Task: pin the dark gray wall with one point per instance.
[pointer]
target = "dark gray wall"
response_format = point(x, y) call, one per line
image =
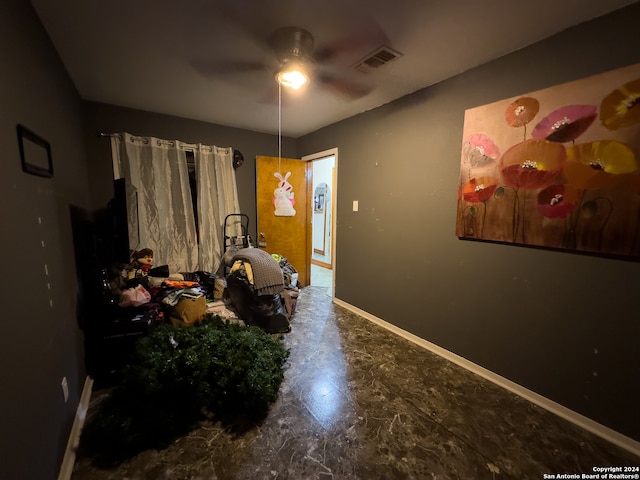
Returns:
point(40, 341)
point(397, 258)
point(563, 325)
point(111, 119)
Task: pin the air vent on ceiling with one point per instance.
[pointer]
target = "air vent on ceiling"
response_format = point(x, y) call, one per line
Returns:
point(376, 59)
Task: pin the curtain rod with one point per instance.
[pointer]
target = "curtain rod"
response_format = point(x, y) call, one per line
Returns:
point(186, 146)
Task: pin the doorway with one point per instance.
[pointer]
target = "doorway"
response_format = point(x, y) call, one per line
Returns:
point(323, 196)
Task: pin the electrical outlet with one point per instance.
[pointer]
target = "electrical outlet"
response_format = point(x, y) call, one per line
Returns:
point(65, 389)
point(355, 205)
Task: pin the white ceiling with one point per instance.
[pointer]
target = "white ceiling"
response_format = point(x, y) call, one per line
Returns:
point(175, 56)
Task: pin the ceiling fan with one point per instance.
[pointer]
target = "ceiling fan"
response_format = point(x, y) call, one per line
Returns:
point(296, 62)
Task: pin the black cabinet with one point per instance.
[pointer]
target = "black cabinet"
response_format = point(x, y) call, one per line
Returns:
point(110, 339)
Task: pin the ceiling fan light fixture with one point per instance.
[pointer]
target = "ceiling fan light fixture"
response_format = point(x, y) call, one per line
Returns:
point(293, 75)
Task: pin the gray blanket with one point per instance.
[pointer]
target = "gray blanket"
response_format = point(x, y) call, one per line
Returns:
point(268, 278)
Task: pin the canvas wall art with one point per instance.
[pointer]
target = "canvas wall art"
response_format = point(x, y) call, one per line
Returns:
point(556, 168)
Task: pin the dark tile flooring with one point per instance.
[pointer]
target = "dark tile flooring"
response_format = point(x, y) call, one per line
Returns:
point(359, 402)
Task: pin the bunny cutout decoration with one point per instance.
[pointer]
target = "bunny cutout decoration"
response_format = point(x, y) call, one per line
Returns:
point(283, 196)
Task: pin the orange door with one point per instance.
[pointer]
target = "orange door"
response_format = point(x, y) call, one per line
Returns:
point(284, 225)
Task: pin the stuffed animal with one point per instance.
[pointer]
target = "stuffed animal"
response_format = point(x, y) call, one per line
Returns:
point(141, 262)
point(142, 268)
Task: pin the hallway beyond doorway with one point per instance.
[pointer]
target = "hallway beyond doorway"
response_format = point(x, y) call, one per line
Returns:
point(321, 276)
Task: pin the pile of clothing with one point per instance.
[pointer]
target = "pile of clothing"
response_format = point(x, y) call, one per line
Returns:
point(181, 302)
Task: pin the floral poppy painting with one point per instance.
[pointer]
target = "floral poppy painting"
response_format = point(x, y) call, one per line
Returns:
point(557, 168)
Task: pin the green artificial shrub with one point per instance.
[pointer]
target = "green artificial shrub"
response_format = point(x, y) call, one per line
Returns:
point(178, 376)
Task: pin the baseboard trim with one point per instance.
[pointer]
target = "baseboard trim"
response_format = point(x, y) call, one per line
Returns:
point(596, 428)
point(321, 263)
point(69, 459)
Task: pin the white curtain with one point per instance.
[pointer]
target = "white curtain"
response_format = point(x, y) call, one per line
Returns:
point(217, 198)
point(161, 214)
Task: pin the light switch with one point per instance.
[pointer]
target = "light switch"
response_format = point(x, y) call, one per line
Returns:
point(355, 205)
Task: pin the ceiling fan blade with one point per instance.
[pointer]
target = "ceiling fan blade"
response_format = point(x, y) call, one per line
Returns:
point(325, 19)
point(360, 40)
point(256, 18)
point(209, 67)
point(346, 88)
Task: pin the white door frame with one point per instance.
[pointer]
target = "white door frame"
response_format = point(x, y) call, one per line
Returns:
point(334, 199)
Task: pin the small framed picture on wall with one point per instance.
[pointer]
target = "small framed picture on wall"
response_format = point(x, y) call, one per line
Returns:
point(35, 153)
